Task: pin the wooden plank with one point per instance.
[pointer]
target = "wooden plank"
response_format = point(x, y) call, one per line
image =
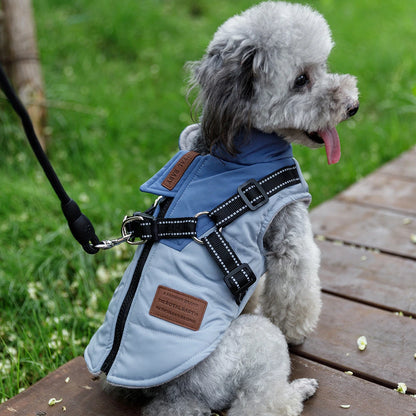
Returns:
point(389, 357)
point(384, 190)
point(374, 278)
point(336, 389)
point(403, 166)
point(81, 396)
point(380, 229)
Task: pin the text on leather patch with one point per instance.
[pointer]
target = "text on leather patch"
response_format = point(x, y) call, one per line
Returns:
point(178, 308)
point(176, 173)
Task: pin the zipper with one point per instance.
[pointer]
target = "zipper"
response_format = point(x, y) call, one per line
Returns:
point(131, 293)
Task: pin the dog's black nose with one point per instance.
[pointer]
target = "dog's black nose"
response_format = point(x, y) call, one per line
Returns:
point(352, 110)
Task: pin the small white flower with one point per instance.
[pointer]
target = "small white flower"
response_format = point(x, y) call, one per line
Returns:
point(362, 343)
point(401, 388)
point(103, 275)
point(65, 334)
point(32, 291)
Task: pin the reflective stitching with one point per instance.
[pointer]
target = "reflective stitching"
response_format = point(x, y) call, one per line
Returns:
point(186, 221)
point(225, 204)
point(232, 215)
point(181, 233)
point(232, 255)
point(282, 184)
point(261, 182)
point(267, 178)
point(217, 256)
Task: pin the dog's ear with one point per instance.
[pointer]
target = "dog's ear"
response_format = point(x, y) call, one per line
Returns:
point(226, 79)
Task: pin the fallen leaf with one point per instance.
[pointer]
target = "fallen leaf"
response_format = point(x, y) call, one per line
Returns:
point(53, 401)
point(401, 388)
point(362, 343)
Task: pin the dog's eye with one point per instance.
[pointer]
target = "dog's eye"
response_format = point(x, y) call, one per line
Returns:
point(301, 80)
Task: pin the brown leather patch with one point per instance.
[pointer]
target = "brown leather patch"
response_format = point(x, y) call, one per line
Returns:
point(178, 308)
point(176, 173)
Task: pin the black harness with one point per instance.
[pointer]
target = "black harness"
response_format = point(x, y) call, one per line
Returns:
point(250, 196)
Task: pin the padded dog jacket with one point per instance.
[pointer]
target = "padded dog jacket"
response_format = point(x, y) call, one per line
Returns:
point(172, 305)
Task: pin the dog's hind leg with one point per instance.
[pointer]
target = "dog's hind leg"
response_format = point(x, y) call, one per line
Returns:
point(248, 372)
point(261, 379)
point(291, 296)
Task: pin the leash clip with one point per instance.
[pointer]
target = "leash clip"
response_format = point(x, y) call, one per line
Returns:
point(138, 217)
point(127, 233)
point(107, 244)
point(127, 236)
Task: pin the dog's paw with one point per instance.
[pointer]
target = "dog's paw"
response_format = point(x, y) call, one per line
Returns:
point(299, 340)
point(306, 387)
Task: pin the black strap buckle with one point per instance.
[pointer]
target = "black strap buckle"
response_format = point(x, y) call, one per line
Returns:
point(239, 280)
point(249, 197)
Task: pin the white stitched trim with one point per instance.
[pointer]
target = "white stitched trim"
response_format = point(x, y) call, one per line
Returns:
point(283, 184)
point(246, 275)
point(184, 233)
point(227, 248)
point(225, 204)
point(267, 178)
point(264, 180)
point(217, 256)
point(191, 220)
point(232, 215)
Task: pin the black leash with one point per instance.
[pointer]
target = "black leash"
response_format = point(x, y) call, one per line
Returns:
point(80, 226)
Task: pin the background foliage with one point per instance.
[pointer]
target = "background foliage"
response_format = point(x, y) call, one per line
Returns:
point(116, 101)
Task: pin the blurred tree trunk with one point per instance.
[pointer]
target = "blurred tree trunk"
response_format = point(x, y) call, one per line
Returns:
point(19, 56)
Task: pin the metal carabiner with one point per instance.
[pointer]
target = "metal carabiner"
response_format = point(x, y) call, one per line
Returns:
point(128, 236)
point(107, 244)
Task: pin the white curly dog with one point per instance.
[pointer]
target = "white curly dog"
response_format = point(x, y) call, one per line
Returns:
point(266, 69)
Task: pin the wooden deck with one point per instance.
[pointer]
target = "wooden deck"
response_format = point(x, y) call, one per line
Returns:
point(368, 277)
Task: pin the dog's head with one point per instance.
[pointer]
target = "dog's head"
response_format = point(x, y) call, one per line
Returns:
point(266, 69)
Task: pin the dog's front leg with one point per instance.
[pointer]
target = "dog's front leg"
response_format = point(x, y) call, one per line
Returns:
point(291, 296)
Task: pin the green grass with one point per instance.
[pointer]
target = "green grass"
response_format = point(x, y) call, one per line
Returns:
point(115, 88)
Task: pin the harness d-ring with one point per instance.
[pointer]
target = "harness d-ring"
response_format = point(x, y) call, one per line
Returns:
point(199, 241)
point(196, 239)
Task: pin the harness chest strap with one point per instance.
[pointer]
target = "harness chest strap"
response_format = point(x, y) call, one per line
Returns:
point(249, 197)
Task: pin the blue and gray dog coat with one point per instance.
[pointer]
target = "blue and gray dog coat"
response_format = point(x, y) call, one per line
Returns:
point(202, 257)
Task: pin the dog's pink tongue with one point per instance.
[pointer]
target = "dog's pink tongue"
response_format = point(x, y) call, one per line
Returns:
point(332, 145)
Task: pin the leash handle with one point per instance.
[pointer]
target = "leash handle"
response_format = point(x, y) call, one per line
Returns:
point(80, 226)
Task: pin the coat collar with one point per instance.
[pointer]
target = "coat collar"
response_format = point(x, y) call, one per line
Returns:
point(256, 147)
